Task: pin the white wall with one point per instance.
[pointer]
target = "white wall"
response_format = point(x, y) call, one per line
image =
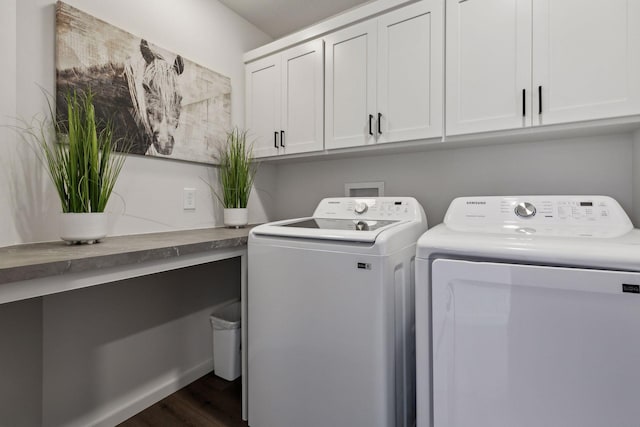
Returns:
point(599, 165)
point(149, 193)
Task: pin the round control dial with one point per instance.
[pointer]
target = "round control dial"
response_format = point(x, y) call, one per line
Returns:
point(525, 210)
point(361, 208)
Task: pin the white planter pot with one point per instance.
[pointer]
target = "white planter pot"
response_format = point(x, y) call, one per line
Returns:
point(83, 227)
point(236, 217)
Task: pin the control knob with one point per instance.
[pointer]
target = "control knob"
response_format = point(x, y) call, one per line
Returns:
point(361, 207)
point(525, 210)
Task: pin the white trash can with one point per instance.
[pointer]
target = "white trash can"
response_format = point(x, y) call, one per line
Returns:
point(225, 321)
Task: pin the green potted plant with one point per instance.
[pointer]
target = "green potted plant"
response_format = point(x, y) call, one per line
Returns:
point(79, 156)
point(237, 169)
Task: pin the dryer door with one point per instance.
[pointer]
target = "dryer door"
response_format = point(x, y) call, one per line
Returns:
point(530, 346)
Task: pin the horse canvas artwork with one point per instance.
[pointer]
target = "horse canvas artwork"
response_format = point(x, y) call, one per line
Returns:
point(163, 104)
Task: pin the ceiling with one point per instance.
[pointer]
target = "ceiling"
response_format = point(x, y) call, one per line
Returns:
point(278, 18)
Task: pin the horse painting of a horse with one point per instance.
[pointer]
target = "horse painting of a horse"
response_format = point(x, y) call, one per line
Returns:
point(162, 104)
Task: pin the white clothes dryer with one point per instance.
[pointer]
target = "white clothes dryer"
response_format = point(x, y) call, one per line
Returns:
point(528, 314)
point(331, 316)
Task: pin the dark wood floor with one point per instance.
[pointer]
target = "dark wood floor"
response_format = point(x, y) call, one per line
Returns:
point(209, 401)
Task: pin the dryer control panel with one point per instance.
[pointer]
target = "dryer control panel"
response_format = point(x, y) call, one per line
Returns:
point(589, 216)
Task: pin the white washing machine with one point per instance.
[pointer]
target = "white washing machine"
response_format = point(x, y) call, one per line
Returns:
point(331, 316)
point(528, 314)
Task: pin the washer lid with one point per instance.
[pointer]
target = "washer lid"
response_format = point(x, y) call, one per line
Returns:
point(340, 224)
point(350, 219)
point(352, 230)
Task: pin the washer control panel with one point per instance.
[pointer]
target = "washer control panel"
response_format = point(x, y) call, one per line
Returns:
point(589, 216)
point(370, 208)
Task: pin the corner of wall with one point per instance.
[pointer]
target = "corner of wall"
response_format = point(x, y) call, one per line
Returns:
point(8, 49)
point(635, 184)
point(262, 201)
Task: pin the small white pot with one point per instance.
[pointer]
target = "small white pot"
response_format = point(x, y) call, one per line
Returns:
point(236, 217)
point(83, 227)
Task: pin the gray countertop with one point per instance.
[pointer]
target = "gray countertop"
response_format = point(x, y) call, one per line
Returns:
point(38, 260)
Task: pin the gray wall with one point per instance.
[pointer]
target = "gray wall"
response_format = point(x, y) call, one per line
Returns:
point(21, 363)
point(106, 347)
point(636, 179)
point(593, 165)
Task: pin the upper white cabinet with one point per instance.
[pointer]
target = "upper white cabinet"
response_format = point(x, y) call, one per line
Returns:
point(284, 101)
point(488, 63)
point(586, 59)
point(509, 64)
point(350, 86)
point(518, 63)
point(384, 78)
point(410, 72)
point(263, 104)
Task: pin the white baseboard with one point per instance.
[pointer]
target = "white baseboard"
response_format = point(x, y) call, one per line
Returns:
point(147, 396)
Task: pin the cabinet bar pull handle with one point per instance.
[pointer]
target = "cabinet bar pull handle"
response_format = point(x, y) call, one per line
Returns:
point(379, 123)
point(524, 102)
point(539, 99)
point(275, 139)
point(282, 138)
point(370, 118)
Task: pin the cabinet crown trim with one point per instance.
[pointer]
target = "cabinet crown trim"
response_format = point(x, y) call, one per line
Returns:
point(349, 17)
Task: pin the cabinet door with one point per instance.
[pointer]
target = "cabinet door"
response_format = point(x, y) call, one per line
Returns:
point(488, 65)
point(263, 105)
point(302, 98)
point(586, 59)
point(350, 86)
point(410, 49)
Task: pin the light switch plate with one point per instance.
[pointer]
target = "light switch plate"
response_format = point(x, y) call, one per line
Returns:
point(189, 199)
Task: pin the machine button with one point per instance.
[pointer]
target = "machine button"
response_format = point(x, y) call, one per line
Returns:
point(525, 210)
point(360, 208)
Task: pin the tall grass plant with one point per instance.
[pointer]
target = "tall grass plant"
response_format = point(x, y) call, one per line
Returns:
point(237, 169)
point(78, 153)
